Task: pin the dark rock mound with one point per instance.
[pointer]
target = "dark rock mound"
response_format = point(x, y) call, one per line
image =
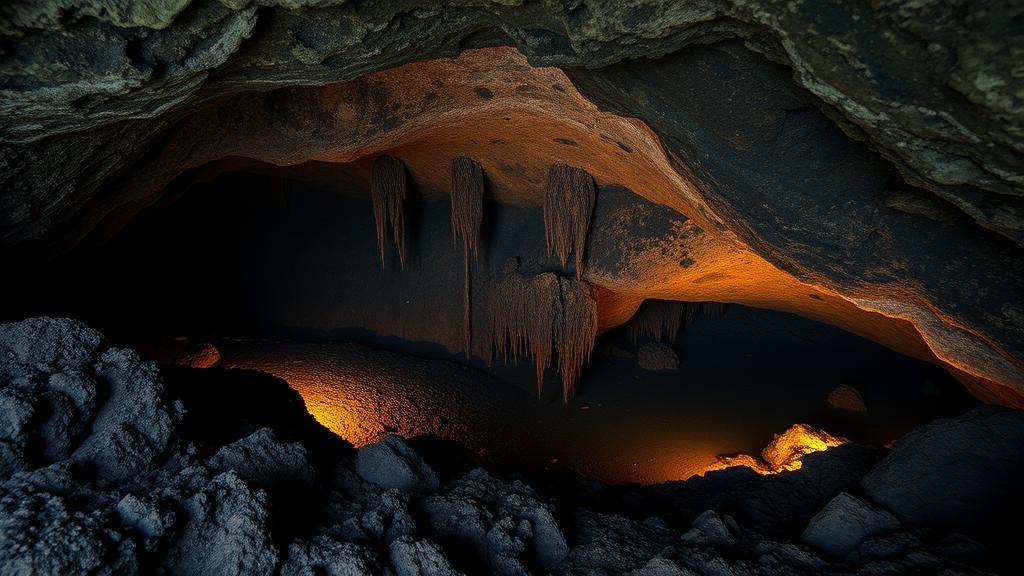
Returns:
point(216, 471)
point(962, 473)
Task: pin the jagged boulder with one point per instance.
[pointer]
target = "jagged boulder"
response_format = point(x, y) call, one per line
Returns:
point(507, 526)
point(845, 523)
point(260, 460)
point(41, 533)
point(226, 532)
point(133, 427)
point(411, 557)
point(323, 555)
point(956, 473)
point(391, 463)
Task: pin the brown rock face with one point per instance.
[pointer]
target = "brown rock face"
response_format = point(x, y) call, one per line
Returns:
point(846, 397)
point(755, 196)
point(204, 355)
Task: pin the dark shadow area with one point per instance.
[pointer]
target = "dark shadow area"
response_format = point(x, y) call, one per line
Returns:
point(256, 257)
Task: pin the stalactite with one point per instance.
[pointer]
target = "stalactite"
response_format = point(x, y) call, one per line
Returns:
point(467, 215)
point(542, 315)
point(387, 190)
point(663, 319)
point(467, 202)
point(568, 206)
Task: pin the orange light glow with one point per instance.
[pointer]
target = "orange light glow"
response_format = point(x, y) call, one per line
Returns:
point(784, 453)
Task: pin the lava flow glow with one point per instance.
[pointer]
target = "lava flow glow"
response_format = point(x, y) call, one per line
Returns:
point(361, 394)
point(784, 453)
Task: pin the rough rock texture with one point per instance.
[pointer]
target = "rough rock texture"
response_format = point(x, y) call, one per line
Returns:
point(932, 85)
point(226, 532)
point(846, 397)
point(391, 464)
point(845, 523)
point(783, 209)
point(212, 504)
point(656, 356)
point(973, 463)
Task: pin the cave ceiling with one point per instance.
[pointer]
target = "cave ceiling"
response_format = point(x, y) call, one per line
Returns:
point(857, 162)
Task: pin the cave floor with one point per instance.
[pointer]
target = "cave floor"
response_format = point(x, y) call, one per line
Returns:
point(733, 389)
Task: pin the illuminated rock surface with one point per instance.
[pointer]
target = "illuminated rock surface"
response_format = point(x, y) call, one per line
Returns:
point(853, 162)
point(205, 506)
point(808, 173)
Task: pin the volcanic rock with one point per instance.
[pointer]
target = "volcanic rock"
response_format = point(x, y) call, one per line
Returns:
point(955, 473)
point(194, 502)
point(262, 461)
point(846, 397)
point(846, 522)
point(225, 532)
point(391, 464)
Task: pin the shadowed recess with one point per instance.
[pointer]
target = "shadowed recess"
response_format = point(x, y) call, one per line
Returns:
point(663, 319)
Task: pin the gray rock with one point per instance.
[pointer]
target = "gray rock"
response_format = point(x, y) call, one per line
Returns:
point(17, 406)
point(40, 534)
point(46, 345)
point(323, 555)
point(507, 525)
point(226, 533)
point(262, 461)
point(410, 557)
point(957, 473)
point(391, 463)
point(710, 529)
point(845, 523)
point(657, 356)
point(788, 554)
point(661, 567)
point(149, 518)
point(132, 428)
point(607, 543)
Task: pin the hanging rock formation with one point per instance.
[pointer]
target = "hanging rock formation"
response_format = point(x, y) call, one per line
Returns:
point(467, 214)
point(539, 316)
point(864, 170)
point(387, 190)
point(568, 205)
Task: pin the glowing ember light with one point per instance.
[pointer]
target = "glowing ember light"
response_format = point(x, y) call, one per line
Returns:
point(784, 453)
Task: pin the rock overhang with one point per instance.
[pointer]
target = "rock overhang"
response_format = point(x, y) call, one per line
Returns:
point(841, 255)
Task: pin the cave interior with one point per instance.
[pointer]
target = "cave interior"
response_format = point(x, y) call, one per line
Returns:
point(496, 312)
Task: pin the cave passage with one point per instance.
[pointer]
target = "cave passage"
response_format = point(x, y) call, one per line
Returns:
point(284, 275)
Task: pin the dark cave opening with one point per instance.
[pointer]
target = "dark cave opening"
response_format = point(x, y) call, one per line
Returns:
point(280, 273)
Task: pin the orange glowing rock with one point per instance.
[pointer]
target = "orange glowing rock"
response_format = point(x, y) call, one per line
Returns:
point(784, 453)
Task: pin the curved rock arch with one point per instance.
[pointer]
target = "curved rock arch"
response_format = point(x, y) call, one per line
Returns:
point(515, 119)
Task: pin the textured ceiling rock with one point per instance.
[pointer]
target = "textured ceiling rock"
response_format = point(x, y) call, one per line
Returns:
point(104, 105)
point(935, 86)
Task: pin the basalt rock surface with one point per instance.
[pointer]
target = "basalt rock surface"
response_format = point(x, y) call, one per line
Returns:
point(263, 489)
point(934, 86)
